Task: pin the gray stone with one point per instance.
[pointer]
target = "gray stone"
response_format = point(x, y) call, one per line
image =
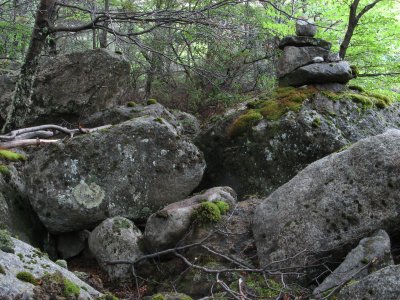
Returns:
point(62, 263)
point(132, 169)
point(370, 255)
point(31, 260)
point(16, 213)
point(330, 204)
point(382, 284)
point(116, 239)
point(305, 28)
point(165, 228)
point(270, 153)
point(296, 57)
point(304, 41)
point(69, 87)
point(339, 72)
point(71, 244)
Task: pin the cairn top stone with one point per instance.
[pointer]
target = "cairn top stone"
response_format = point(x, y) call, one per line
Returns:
point(305, 28)
point(304, 41)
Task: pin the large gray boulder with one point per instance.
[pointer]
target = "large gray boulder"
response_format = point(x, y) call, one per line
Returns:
point(132, 169)
point(72, 86)
point(371, 254)
point(334, 72)
point(271, 152)
point(165, 228)
point(28, 259)
point(382, 284)
point(296, 57)
point(331, 204)
point(116, 239)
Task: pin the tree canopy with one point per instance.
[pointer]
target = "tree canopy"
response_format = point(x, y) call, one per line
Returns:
point(200, 54)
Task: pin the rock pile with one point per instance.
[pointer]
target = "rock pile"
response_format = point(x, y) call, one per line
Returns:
point(307, 60)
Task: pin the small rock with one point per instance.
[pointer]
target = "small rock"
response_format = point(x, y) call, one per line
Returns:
point(318, 59)
point(62, 263)
point(116, 239)
point(374, 249)
point(305, 28)
point(303, 41)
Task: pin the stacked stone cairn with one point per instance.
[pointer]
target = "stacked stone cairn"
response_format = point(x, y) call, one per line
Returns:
point(307, 60)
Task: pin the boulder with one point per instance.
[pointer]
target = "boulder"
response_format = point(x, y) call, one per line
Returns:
point(165, 228)
point(231, 236)
point(296, 57)
point(72, 243)
point(339, 72)
point(116, 239)
point(72, 86)
point(382, 284)
point(305, 28)
point(185, 123)
point(16, 213)
point(303, 41)
point(132, 169)
point(271, 152)
point(371, 254)
point(330, 204)
point(35, 266)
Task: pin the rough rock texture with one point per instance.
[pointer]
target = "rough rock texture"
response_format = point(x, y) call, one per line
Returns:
point(7, 84)
point(339, 72)
point(371, 254)
point(78, 84)
point(116, 239)
point(31, 260)
point(233, 236)
point(305, 28)
point(296, 57)
point(304, 41)
point(165, 228)
point(382, 284)
point(272, 152)
point(185, 123)
point(16, 213)
point(71, 244)
point(132, 169)
point(332, 203)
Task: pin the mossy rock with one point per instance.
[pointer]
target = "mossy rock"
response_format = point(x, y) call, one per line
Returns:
point(170, 296)
point(131, 104)
point(107, 296)
point(56, 285)
point(271, 108)
point(6, 243)
point(222, 206)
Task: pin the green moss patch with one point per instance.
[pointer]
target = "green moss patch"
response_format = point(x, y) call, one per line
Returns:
point(107, 296)
point(4, 169)
point(207, 212)
point(2, 271)
point(54, 286)
point(360, 96)
point(11, 156)
point(6, 243)
point(27, 277)
point(120, 223)
point(222, 206)
point(151, 101)
point(70, 288)
point(271, 108)
point(131, 104)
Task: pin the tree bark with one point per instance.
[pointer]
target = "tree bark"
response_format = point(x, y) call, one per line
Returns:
point(103, 34)
point(21, 100)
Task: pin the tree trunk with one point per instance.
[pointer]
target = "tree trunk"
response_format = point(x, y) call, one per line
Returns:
point(103, 34)
point(21, 100)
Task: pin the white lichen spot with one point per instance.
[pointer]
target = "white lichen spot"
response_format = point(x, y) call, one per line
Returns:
point(74, 166)
point(164, 152)
point(145, 140)
point(89, 196)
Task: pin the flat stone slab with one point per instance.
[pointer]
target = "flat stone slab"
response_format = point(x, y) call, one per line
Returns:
point(339, 72)
point(304, 41)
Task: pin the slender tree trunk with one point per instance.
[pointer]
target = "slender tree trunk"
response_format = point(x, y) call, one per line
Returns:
point(21, 100)
point(103, 34)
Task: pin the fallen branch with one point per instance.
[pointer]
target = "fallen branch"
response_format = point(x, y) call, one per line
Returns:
point(38, 135)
